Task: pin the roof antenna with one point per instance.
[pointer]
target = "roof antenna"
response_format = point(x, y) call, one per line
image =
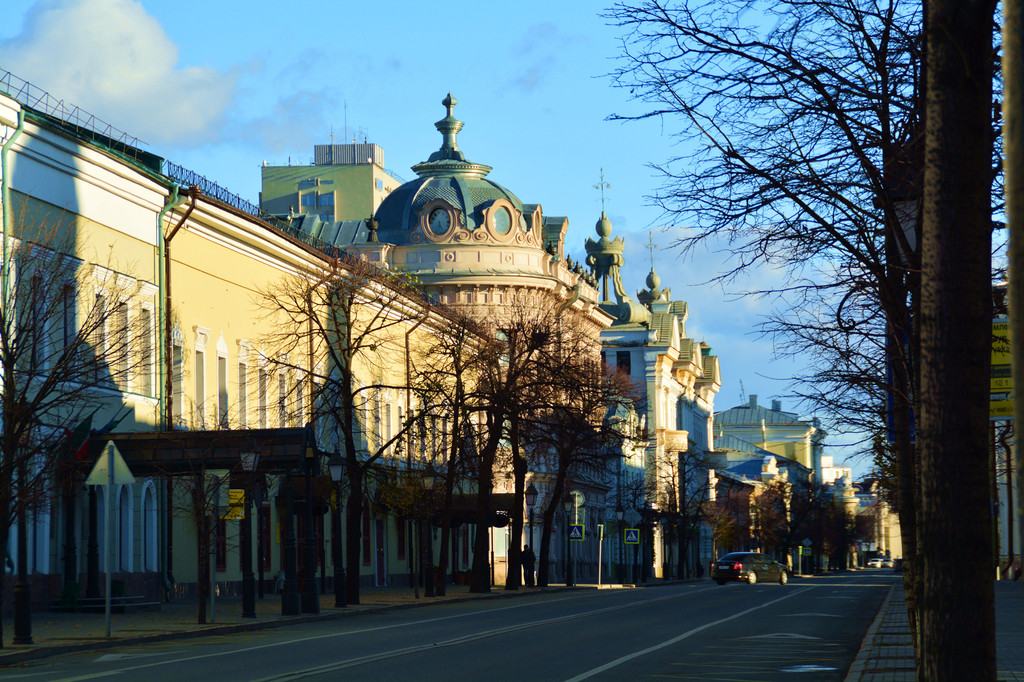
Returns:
point(743, 396)
point(601, 186)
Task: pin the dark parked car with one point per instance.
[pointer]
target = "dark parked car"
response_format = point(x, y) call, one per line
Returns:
point(748, 567)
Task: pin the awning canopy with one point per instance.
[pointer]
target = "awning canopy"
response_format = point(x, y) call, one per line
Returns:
point(178, 452)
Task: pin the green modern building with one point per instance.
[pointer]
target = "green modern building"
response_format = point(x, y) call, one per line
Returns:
point(344, 182)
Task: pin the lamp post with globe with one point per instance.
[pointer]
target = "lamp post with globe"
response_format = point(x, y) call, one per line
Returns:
point(619, 514)
point(567, 505)
point(336, 465)
point(531, 499)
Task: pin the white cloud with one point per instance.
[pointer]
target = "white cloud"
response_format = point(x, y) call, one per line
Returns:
point(114, 60)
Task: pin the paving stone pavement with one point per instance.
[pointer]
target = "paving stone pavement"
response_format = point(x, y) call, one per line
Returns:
point(887, 653)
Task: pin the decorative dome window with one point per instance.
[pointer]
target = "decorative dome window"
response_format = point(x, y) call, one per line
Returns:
point(502, 221)
point(499, 216)
point(439, 221)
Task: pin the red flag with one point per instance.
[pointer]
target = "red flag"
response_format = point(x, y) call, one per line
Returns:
point(78, 440)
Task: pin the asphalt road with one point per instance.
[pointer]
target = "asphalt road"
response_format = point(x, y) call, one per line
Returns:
point(810, 629)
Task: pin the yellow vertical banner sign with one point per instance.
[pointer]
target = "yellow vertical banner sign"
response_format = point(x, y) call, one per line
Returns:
point(236, 505)
point(1001, 399)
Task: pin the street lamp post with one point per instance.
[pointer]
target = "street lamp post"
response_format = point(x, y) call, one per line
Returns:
point(619, 514)
point(250, 460)
point(310, 598)
point(336, 465)
point(531, 499)
point(429, 477)
point(567, 505)
point(22, 589)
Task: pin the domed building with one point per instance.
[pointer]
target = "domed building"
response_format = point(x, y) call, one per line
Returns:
point(468, 240)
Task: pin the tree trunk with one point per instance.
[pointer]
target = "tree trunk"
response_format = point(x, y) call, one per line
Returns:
point(544, 568)
point(480, 581)
point(203, 550)
point(354, 531)
point(513, 578)
point(4, 537)
point(958, 625)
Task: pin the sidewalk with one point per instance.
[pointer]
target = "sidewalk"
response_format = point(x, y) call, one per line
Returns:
point(58, 633)
point(887, 654)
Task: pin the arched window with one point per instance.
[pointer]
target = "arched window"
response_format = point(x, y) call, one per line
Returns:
point(124, 529)
point(149, 528)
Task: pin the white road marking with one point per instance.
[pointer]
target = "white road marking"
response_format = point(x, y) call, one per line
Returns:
point(387, 654)
point(678, 638)
point(781, 635)
point(126, 657)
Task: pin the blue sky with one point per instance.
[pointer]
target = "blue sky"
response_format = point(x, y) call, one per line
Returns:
point(219, 87)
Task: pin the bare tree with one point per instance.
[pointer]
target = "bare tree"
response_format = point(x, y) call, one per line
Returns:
point(801, 138)
point(509, 382)
point(341, 327)
point(200, 497)
point(66, 342)
point(448, 372)
point(572, 429)
point(958, 611)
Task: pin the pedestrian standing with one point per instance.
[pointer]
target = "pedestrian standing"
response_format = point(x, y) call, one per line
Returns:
point(529, 559)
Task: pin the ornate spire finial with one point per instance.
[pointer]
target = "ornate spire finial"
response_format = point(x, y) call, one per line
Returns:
point(650, 244)
point(449, 103)
point(601, 186)
point(449, 127)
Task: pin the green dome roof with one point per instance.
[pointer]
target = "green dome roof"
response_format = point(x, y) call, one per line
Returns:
point(448, 176)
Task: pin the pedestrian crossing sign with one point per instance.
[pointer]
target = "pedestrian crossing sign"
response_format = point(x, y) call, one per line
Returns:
point(632, 536)
point(576, 532)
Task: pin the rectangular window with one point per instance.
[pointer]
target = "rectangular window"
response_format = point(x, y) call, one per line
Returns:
point(327, 199)
point(120, 341)
point(177, 384)
point(380, 185)
point(263, 536)
point(222, 546)
point(622, 362)
point(400, 537)
point(200, 386)
point(36, 336)
point(145, 386)
point(262, 395)
point(243, 397)
point(444, 436)
point(98, 338)
point(282, 400)
point(300, 402)
point(222, 392)
point(308, 199)
point(67, 322)
point(367, 544)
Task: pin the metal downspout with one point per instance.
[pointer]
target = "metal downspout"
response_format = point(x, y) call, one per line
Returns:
point(163, 503)
point(5, 199)
point(166, 407)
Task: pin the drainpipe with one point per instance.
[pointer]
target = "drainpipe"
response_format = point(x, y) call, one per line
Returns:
point(173, 202)
point(408, 448)
point(168, 402)
point(5, 199)
point(166, 407)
